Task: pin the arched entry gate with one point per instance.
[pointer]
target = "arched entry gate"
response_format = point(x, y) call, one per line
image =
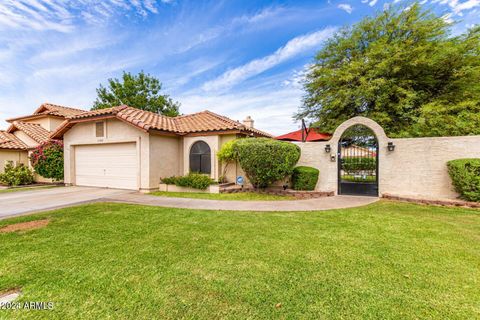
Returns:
point(358, 162)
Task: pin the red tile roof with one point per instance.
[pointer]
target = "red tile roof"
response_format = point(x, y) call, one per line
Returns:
point(205, 121)
point(49, 109)
point(10, 141)
point(33, 130)
point(312, 134)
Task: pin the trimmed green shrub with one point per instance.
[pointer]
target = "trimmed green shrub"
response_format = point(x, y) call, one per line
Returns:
point(16, 175)
point(357, 164)
point(266, 160)
point(192, 180)
point(226, 155)
point(465, 174)
point(304, 178)
point(169, 180)
point(47, 160)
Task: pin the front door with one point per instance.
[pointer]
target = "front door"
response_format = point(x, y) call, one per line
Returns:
point(358, 162)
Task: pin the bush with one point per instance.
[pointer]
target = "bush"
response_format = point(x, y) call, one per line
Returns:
point(304, 178)
point(192, 180)
point(357, 164)
point(266, 160)
point(226, 155)
point(47, 160)
point(15, 176)
point(465, 174)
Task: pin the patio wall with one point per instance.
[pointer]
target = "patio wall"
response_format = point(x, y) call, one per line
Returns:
point(416, 168)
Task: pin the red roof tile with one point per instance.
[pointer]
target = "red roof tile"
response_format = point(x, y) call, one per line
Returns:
point(33, 130)
point(10, 141)
point(204, 121)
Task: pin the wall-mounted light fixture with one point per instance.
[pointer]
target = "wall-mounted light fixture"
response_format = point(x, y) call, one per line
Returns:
point(391, 146)
point(328, 148)
point(332, 158)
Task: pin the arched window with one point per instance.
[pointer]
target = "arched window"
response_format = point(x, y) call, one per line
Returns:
point(200, 158)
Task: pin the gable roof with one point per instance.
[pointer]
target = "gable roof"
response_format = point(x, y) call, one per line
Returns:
point(49, 109)
point(312, 134)
point(205, 121)
point(10, 141)
point(33, 130)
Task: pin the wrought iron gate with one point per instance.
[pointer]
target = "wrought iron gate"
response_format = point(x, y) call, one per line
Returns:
point(358, 162)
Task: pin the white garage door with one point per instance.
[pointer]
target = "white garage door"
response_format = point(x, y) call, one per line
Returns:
point(107, 165)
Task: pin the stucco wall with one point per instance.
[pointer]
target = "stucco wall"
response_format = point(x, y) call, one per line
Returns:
point(416, 168)
point(12, 155)
point(116, 132)
point(164, 158)
point(47, 122)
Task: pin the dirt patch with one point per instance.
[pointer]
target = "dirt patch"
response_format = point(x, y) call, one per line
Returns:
point(10, 291)
point(23, 226)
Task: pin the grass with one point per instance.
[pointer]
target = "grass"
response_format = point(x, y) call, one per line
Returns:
point(385, 261)
point(243, 196)
point(18, 189)
point(352, 178)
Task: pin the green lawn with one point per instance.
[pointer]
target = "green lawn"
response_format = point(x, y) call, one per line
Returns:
point(384, 261)
point(26, 188)
point(244, 196)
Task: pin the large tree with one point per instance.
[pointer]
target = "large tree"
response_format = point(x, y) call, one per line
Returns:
point(140, 91)
point(401, 68)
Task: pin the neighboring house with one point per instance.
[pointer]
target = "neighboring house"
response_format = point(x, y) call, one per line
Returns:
point(27, 132)
point(306, 135)
point(124, 147)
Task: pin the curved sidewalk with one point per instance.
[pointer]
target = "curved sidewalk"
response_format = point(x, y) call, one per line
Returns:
point(326, 203)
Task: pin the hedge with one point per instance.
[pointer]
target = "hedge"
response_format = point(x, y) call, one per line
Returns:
point(15, 176)
point(304, 178)
point(192, 180)
point(358, 164)
point(266, 160)
point(465, 174)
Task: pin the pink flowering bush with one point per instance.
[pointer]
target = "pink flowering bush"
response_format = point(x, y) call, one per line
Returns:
point(47, 160)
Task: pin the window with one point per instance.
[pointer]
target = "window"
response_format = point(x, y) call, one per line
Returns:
point(99, 129)
point(200, 158)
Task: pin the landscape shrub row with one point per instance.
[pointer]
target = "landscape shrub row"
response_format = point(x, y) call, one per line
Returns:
point(358, 164)
point(465, 174)
point(192, 180)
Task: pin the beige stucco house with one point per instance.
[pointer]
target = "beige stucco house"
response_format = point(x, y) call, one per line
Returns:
point(27, 132)
point(124, 147)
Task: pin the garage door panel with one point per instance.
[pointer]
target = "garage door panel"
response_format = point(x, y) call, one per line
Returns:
point(107, 165)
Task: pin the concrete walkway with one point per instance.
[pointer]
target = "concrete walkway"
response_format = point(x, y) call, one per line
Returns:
point(326, 203)
point(26, 202)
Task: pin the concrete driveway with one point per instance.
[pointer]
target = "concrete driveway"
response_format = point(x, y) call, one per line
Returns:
point(23, 202)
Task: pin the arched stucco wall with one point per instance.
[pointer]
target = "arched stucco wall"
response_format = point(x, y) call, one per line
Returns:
point(416, 168)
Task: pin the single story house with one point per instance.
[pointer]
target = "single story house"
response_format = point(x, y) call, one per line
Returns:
point(27, 132)
point(124, 147)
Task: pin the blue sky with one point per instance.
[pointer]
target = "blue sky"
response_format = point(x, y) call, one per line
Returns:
point(236, 58)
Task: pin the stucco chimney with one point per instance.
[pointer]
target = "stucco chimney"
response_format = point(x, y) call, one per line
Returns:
point(248, 122)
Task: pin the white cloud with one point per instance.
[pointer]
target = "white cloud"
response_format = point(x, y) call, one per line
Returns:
point(293, 47)
point(345, 7)
point(62, 15)
point(372, 3)
point(271, 109)
point(458, 7)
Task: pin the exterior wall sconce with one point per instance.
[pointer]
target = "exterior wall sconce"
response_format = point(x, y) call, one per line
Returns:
point(328, 148)
point(391, 146)
point(332, 158)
